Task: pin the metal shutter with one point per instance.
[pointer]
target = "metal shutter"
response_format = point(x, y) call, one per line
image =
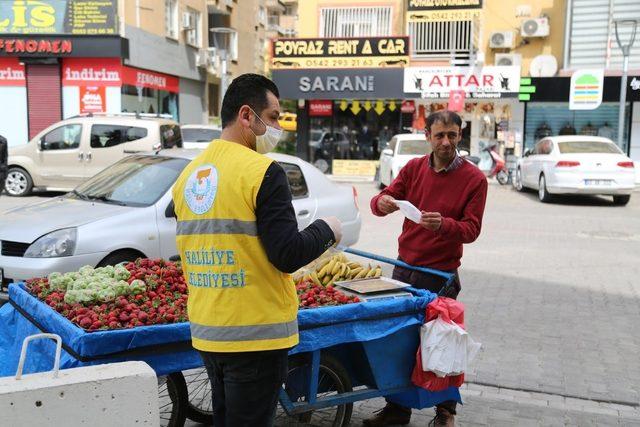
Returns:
point(44, 96)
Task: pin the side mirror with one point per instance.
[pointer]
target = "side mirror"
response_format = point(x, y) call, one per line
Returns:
point(527, 152)
point(387, 152)
point(170, 211)
point(40, 144)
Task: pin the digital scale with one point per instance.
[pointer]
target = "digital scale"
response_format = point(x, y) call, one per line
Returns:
point(374, 289)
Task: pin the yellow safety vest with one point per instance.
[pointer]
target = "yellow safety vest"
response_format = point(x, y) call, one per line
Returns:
point(238, 301)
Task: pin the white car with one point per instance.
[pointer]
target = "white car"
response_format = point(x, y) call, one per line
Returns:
point(576, 165)
point(199, 136)
point(402, 148)
point(126, 211)
point(73, 150)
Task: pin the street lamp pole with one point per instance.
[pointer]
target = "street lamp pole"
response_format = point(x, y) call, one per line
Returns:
point(626, 50)
point(223, 40)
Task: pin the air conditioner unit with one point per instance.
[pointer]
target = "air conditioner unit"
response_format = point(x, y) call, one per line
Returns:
point(502, 40)
point(538, 27)
point(508, 59)
point(202, 58)
point(187, 21)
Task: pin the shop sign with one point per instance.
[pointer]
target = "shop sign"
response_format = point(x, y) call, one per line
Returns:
point(50, 46)
point(354, 167)
point(150, 79)
point(320, 108)
point(12, 72)
point(408, 107)
point(92, 99)
point(587, 87)
point(485, 82)
point(354, 52)
point(30, 46)
point(443, 10)
point(339, 84)
point(93, 71)
point(73, 17)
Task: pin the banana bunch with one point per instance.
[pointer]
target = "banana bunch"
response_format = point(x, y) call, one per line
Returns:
point(339, 268)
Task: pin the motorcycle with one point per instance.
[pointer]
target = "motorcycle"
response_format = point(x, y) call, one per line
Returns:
point(499, 168)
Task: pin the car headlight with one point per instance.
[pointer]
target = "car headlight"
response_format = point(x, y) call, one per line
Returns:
point(55, 244)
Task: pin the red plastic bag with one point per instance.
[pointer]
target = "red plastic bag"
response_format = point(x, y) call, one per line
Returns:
point(451, 311)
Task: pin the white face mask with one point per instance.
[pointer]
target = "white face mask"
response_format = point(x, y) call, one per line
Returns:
point(266, 142)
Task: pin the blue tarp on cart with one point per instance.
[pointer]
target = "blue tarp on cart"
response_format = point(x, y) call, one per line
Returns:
point(166, 348)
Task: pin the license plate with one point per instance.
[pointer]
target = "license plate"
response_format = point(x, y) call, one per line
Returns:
point(597, 182)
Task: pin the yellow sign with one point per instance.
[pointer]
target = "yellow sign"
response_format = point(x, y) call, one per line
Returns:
point(355, 107)
point(354, 52)
point(444, 15)
point(379, 107)
point(354, 167)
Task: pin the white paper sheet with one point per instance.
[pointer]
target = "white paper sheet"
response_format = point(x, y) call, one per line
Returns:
point(409, 210)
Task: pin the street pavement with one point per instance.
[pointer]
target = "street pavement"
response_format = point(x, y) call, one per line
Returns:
point(552, 293)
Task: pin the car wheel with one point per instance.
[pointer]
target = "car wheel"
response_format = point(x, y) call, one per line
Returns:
point(621, 200)
point(119, 257)
point(518, 181)
point(18, 182)
point(543, 194)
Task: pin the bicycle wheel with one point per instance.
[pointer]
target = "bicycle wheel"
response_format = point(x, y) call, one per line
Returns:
point(332, 380)
point(172, 400)
point(200, 402)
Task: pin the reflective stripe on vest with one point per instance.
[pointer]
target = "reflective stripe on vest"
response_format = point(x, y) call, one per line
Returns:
point(216, 226)
point(245, 333)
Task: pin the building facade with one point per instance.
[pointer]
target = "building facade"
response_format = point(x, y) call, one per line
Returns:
point(71, 57)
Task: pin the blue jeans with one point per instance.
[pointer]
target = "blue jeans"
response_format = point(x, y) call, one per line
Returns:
point(245, 386)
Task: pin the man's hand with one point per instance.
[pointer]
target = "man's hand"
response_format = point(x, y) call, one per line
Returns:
point(387, 205)
point(431, 220)
point(336, 226)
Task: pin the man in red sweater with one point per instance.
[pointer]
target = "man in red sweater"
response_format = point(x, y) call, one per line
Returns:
point(451, 193)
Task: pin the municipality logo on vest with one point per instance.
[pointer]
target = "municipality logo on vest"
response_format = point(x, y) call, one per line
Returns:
point(201, 189)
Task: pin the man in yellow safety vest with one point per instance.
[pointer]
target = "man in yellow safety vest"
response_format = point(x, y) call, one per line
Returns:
point(238, 239)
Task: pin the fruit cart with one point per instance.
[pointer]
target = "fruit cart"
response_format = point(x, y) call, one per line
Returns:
point(346, 354)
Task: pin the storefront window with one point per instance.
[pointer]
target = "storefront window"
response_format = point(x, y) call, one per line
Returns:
point(554, 118)
point(137, 99)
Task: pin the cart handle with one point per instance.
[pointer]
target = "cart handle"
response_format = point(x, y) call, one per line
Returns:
point(398, 263)
point(23, 352)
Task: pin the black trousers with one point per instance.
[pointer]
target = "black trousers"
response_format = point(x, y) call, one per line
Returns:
point(245, 386)
point(434, 284)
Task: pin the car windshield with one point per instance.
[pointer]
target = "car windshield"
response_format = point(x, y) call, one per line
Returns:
point(133, 181)
point(200, 134)
point(416, 147)
point(588, 147)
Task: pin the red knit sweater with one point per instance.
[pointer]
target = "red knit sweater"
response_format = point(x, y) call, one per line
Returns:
point(458, 195)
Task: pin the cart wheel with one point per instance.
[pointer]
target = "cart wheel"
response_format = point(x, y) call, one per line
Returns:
point(200, 403)
point(172, 399)
point(332, 379)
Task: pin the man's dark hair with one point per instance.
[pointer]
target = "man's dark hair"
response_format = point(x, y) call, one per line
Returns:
point(445, 117)
point(246, 89)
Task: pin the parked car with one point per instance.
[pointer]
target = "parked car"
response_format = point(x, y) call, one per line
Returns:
point(401, 149)
point(198, 136)
point(326, 146)
point(71, 151)
point(576, 165)
point(126, 211)
point(288, 121)
point(3, 161)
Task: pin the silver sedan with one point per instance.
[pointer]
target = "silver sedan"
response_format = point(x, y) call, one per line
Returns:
point(125, 212)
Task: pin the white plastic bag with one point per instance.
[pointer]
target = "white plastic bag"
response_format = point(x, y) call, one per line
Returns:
point(446, 348)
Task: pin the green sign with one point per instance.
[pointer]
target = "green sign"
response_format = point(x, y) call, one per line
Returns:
point(526, 89)
point(69, 17)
